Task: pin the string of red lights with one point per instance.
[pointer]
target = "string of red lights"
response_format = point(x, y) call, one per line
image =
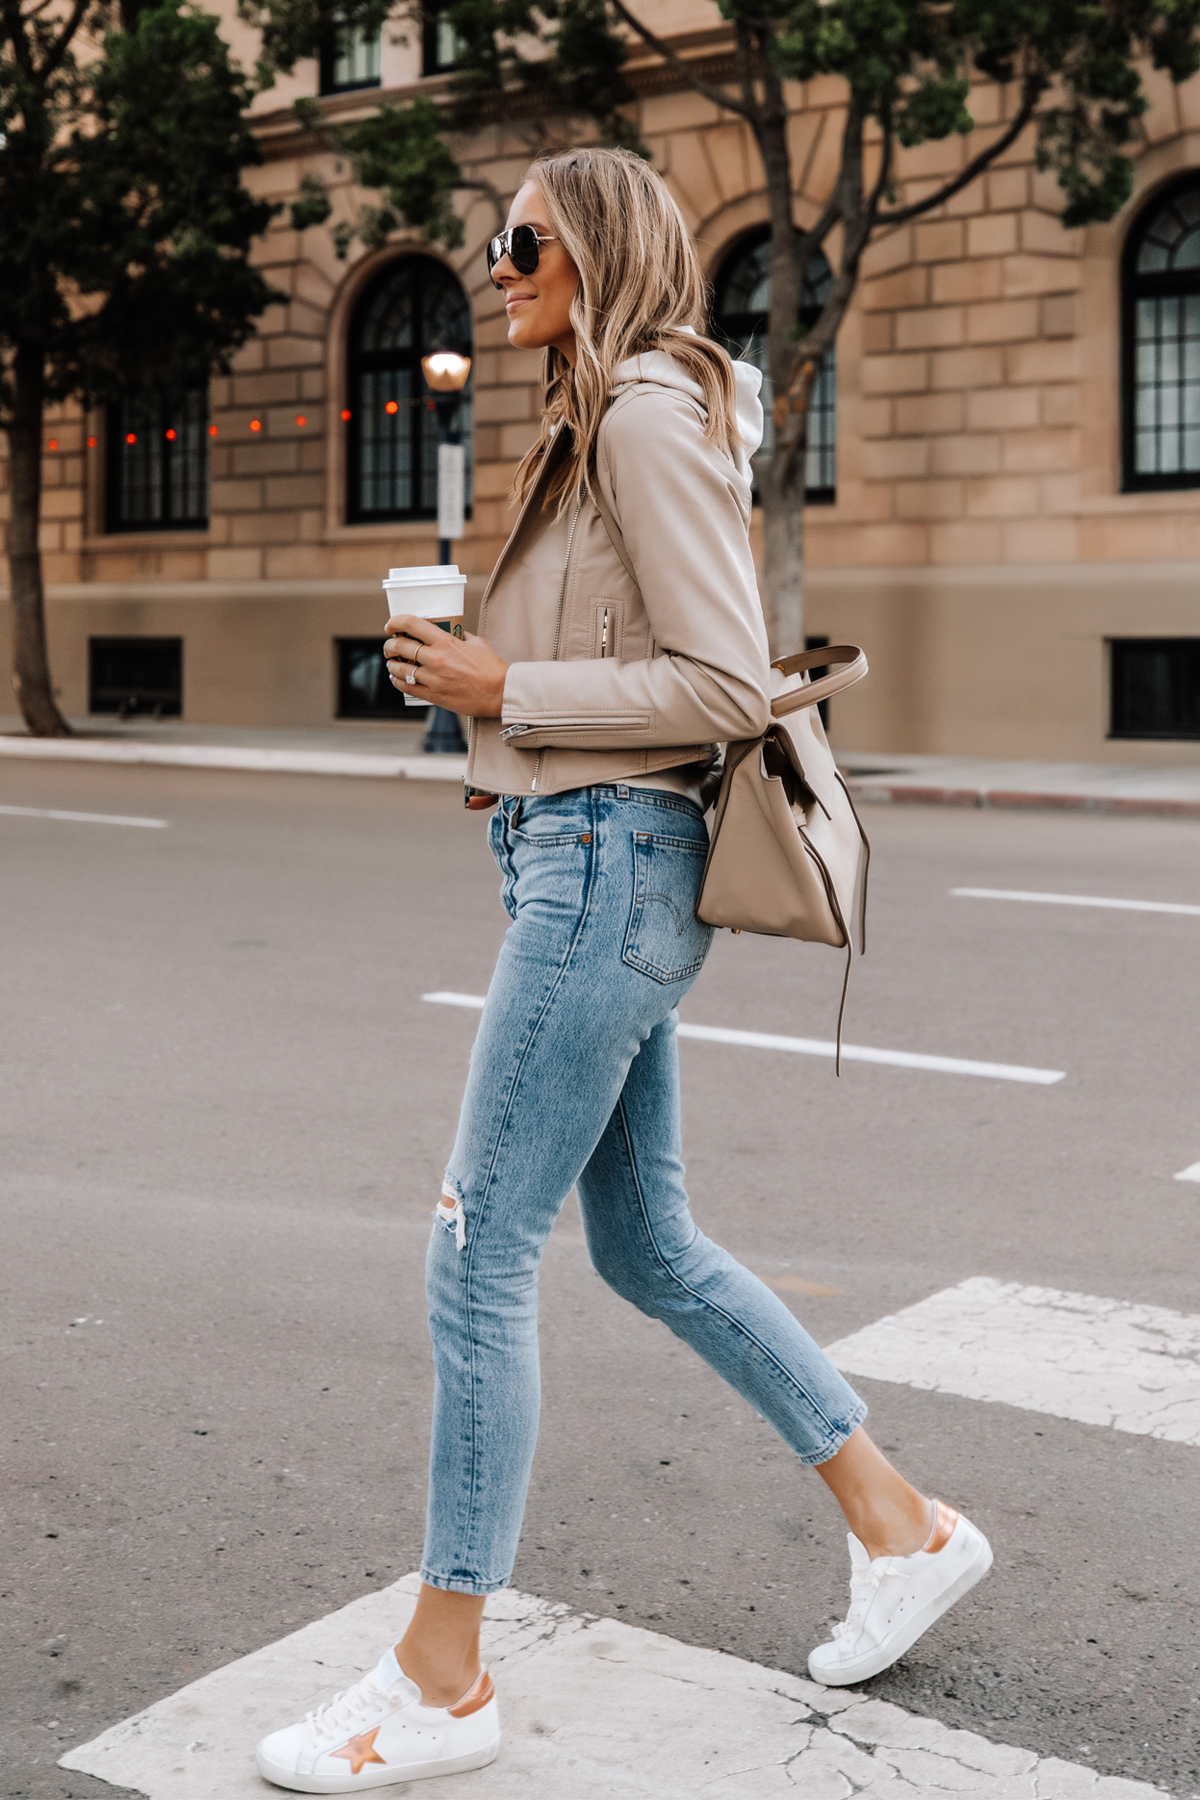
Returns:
point(131, 437)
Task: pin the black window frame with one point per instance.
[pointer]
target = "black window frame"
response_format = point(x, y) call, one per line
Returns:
point(119, 420)
point(1183, 695)
point(431, 30)
point(108, 698)
point(735, 331)
point(1150, 285)
point(331, 49)
point(421, 404)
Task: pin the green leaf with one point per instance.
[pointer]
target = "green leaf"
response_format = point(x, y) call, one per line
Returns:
point(313, 206)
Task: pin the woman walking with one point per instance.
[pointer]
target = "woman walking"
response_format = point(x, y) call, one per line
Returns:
point(599, 687)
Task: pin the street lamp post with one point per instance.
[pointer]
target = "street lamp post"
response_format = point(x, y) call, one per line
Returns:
point(446, 372)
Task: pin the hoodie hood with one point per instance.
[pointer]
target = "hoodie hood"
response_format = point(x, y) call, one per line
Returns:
point(656, 365)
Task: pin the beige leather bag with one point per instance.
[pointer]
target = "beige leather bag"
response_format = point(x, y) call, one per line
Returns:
point(786, 849)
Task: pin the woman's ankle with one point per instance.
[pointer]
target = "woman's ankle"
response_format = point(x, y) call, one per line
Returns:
point(887, 1515)
point(894, 1530)
point(440, 1649)
point(442, 1680)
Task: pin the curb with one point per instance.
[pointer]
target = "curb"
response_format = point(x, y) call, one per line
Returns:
point(261, 762)
point(873, 793)
point(870, 792)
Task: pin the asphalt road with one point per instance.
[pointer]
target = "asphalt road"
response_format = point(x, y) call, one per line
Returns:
point(225, 1114)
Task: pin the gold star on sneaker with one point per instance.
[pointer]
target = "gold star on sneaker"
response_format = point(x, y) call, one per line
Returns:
point(360, 1750)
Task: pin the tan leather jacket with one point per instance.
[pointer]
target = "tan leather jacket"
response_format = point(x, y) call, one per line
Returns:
point(611, 678)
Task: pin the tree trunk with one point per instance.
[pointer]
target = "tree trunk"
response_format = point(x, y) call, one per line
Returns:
point(31, 669)
point(781, 495)
point(783, 545)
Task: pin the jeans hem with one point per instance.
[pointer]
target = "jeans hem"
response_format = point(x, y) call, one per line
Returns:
point(461, 1584)
point(836, 1440)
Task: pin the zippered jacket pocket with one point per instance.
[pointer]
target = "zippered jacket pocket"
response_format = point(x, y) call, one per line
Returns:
point(565, 731)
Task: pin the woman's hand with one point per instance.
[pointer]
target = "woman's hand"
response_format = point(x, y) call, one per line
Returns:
point(462, 674)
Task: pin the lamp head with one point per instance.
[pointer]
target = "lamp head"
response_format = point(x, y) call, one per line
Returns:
point(446, 371)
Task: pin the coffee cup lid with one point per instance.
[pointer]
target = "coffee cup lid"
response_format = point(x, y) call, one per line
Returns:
point(436, 574)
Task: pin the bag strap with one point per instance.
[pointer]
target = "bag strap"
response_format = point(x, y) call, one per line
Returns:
point(853, 667)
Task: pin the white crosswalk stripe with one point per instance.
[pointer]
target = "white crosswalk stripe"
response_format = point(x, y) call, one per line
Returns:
point(591, 1710)
point(765, 1040)
point(1153, 906)
point(1075, 1356)
point(81, 818)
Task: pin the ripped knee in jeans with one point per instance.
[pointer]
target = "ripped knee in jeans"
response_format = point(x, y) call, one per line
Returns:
point(450, 1211)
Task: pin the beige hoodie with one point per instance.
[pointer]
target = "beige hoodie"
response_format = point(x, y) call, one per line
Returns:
point(612, 679)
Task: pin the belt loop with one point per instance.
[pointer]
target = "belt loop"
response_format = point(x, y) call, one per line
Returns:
point(622, 791)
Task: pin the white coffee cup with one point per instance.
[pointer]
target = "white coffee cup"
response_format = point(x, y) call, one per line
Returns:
point(434, 593)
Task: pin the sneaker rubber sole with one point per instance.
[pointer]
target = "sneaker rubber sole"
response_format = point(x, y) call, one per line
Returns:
point(377, 1778)
point(863, 1667)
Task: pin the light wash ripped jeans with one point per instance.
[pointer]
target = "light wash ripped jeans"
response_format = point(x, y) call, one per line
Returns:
point(574, 1083)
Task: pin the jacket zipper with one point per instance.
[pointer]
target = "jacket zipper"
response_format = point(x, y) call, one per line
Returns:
point(562, 596)
point(620, 721)
point(604, 634)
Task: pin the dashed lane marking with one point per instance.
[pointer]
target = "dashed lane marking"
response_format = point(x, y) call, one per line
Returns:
point(1191, 1173)
point(1074, 1356)
point(81, 818)
point(1154, 906)
point(764, 1040)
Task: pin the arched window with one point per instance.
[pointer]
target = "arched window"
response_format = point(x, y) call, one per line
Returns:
point(741, 300)
point(415, 306)
point(1161, 348)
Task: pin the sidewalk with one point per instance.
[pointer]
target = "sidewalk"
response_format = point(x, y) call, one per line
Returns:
point(383, 751)
point(394, 752)
point(1062, 787)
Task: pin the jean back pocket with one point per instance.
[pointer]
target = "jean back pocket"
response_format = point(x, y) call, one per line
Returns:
point(665, 939)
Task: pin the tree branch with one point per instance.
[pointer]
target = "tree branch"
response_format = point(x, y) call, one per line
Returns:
point(885, 170)
point(745, 68)
point(14, 28)
point(708, 89)
point(62, 42)
point(828, 219)
point(1033, 90)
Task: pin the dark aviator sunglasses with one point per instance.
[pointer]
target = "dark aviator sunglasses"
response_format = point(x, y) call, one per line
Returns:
point(521, 244)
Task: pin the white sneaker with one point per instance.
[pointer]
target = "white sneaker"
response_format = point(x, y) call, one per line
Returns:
point(378, 1732)
point(895, 1599)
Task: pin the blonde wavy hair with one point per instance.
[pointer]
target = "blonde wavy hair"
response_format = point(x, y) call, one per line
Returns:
point(640, 288)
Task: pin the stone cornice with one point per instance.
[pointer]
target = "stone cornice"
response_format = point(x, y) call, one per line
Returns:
point(708, 53)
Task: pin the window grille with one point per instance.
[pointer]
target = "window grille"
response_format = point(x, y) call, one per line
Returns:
point(350, 58)
point(741, 302)
point(157, 461)
point(414, 307)
point(128, 675)
point(439, 43)
point(1161, 349)
point(1155, 688)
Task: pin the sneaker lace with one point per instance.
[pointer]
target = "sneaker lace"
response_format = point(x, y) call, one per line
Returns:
point(864, 1585)
point(353, 1706)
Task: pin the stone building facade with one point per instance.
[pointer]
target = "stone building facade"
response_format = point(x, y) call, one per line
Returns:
point(990, 536)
